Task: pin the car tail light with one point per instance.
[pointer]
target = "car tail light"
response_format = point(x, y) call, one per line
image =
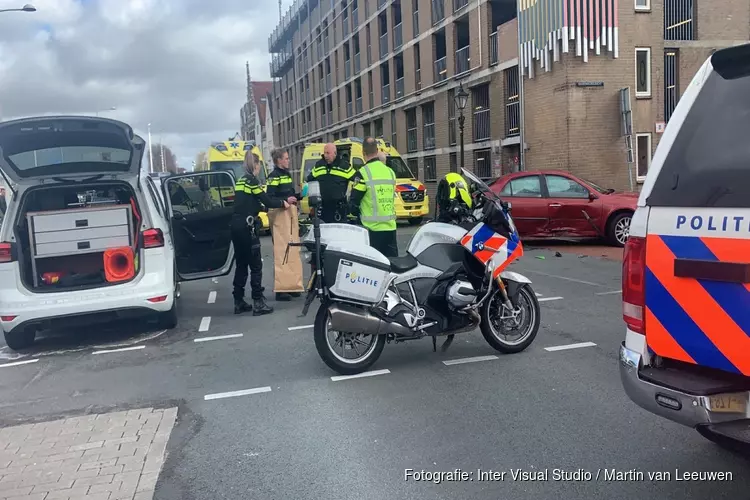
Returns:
point(160, 298)
point(6, 252)
point(153, 238)
point(633, 283)
point(7, 319)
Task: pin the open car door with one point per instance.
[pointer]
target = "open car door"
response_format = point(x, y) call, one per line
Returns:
point(200, 223)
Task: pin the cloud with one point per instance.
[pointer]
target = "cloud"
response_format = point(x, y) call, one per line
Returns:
point(177, 64)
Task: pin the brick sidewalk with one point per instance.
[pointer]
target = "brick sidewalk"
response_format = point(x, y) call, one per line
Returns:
point(112, 456)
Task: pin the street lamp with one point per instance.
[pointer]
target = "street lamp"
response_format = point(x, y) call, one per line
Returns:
point(26, 8)
point(461, 97)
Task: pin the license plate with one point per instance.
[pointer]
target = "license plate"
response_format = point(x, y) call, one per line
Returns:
point(415, 212)
point(728, 403)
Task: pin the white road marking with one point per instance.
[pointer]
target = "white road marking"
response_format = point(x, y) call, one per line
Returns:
point(205, 323)
point(569, 346)
point(214, 280)
point(360, 375)
point(17, 363)
point(301, 327)
point(538, 294)
point(547, 299)
point(234, 394)
point(212, 297)
point(219, 337)
point(106, 351)
point(613, 292)
point(563, 278)
point(468, 360)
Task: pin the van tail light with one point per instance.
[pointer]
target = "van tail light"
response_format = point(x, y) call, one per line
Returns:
point(633, 283)
point(153, 238)
point(7, 252)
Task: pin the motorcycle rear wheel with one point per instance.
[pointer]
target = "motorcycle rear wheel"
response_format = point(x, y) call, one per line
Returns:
point(493, 333)
point(339, 363)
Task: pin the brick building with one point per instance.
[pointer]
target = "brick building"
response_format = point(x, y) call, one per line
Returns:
point(550, 71)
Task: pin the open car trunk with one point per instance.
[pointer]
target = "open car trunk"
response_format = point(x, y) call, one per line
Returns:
point(64, 230)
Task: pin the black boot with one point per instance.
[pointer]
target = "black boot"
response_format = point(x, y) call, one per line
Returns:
point(283, 297)
point(240, 306)
point(260, 307)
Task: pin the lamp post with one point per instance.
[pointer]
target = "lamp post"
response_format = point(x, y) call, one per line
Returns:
point(26, 8)
point(461, 97)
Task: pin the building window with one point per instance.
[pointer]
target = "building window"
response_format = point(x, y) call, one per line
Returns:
point(643, 154)
point(365, 130)
point(671, 82)
point(413, 165)
point(393, 129)
point(379, 127)
point(481, 109)
point(512, 107)
point(483, 164)
point(411, 130)
point(642, 4)
point(428, 122)
point(643, 72)
point(678, 20)
point(430, 168)
point(451, 95)
point(453, 166)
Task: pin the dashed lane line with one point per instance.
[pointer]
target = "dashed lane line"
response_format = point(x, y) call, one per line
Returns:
point(373, 373)
point(474, 359)
point(301, 327)
point(107, 351)
point(212, 297)
point(548, 299)
point(613, 292)
point(569, 346)
point(18, 363)
point(234, 394)
point(205, 323)
point(218, 337)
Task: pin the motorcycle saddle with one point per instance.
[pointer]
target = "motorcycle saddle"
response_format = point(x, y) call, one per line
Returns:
point(403, 263)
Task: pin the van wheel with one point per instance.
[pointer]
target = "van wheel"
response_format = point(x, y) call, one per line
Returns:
point(415, 221)
point(168, 320)
point(20, 338)
point(618, 229)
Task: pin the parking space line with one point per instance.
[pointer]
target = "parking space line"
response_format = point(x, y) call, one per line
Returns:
point(360, 375)
point(107, 351)
point(613, 292)
point(212, 297)
point(474, 359)
point(574, 280)
point(234, 394)
point(205, 323)
point(538, 294)
point(17, 363)
point(301, 327)
point(569, 346)
point(547, 299)
point(218, 337)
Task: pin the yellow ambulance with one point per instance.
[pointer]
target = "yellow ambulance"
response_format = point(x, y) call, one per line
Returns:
point(229, 156)
point(412, 202)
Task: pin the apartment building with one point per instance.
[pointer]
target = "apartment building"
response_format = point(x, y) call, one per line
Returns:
point(586, 85)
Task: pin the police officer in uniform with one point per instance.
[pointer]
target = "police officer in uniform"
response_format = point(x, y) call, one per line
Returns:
point(249, 199)
point(452, 189)
point(333, 175)
point(372, 198)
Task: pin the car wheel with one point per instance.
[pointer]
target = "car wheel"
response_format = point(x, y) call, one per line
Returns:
point(619, 229)
point(20, 338)
point(168, 320)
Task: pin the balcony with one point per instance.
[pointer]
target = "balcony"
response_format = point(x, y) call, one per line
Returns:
point(386, 93)
point(400, 88)
point(459, 4)
point(398, 36)
point(441, 69)
point(357, 64)
point(347, 69)
point(280, 63)
point(438, 11)
point(355, 19)
point(493, 48)
point(462, 60)
point(358, 105)
point(287, 21)
point(383, 45)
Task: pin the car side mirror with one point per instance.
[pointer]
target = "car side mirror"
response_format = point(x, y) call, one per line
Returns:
point(592, 196)
point(313, 193)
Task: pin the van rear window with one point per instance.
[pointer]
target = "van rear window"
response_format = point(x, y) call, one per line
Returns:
point(709, 162)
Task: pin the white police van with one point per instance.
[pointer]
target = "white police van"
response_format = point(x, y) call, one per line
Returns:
point(686, 269)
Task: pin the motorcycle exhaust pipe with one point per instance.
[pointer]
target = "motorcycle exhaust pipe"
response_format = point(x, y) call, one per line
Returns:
point(348, 318)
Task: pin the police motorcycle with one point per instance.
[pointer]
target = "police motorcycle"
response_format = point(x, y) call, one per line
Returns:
point(453, 279)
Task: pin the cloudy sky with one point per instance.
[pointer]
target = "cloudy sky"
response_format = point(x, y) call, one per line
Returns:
point(177, 64)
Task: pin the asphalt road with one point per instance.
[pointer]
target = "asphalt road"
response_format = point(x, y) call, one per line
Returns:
point(303, 435)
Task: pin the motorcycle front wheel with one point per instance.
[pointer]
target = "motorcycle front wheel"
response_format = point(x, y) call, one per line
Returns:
point(511, 331)
point(333, 346)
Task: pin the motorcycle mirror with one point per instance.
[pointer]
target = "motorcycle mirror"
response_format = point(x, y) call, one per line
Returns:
point(313, 193)
point(509, 205)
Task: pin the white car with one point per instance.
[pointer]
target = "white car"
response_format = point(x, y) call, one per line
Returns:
point(76, 193)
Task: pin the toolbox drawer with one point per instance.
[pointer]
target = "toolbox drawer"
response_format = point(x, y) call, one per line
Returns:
point(81, 234)
point(80, 219)
point(81, 246)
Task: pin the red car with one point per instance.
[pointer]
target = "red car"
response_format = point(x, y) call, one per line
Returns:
point(553, 204)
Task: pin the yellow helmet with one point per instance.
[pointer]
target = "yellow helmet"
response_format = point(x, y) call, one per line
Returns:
point(459, 188)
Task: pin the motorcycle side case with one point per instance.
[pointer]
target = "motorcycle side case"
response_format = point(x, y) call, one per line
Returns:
point(339, 232)
point(356, 272)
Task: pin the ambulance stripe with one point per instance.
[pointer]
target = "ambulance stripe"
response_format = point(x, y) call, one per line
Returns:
point(662, 342)
point(734, 298)
point(706, 313)
point(681, 327)
point(730, 250)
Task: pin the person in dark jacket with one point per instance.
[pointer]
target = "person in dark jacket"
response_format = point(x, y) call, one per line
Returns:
point(333, 174)
point(249, 201)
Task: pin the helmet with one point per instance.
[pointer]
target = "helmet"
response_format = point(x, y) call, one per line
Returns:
point(459, 189)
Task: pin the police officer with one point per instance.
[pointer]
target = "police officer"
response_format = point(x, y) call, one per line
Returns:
point(333, 175)
point(245, 226)
point(452, 189)
point(372, 198)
